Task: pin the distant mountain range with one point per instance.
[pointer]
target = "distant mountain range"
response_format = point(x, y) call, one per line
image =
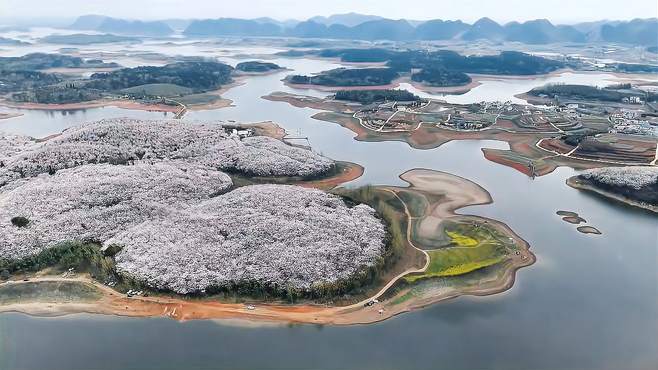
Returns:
point(122, 26)
point(369, 27)
point(348, 19)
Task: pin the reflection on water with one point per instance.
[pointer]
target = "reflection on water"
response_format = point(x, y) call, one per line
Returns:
point(41, 123)
point(503, 89)
point(588, 303)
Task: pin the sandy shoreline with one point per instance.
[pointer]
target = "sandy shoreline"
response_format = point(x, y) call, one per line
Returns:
point(350, 172)
point(458, 193)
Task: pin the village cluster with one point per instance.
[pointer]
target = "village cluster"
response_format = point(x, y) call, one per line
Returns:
point(401, 116)
point(632, 122)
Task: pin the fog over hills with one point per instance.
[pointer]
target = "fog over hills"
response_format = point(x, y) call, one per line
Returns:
point(370, 27)
point(122, 26)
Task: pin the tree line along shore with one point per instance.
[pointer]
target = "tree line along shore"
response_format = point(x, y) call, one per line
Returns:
point(142, 206)
point(25, 79)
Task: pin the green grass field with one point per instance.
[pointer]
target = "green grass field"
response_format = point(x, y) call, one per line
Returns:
point(473, 246)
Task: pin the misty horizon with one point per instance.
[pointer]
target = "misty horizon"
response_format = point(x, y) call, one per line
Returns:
point(556, 11)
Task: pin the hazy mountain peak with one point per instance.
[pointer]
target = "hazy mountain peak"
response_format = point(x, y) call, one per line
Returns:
point(346, 19)
point(484, 21)
point(121, 26)
point(485, 28)
point(88, 22)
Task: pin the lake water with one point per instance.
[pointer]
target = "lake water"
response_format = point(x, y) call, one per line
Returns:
point(590, 302)
point(504, 89)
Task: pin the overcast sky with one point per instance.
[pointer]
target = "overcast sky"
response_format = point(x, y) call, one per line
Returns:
point(560, 11)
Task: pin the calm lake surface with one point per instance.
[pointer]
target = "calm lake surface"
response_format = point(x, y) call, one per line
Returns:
point(590, 302)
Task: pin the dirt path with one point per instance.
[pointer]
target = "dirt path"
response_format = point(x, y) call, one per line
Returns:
point(406, 272)
point(457, 193)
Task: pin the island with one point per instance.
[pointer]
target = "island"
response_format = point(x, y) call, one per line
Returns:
point(195, 221)
point(372, 96)
point(623, 93)
point(636, 186)
point(440, 77)
point(175, 87)
point(257, 67)
point(505, 63)
point(347, 77)
point(437, 69)
point(198, 76)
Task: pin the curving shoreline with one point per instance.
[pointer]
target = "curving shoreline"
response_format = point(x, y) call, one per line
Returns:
point(133, 104)
point(526, 152)
point(577, 183)
point(452, 90)
point(476, 80)
point(456, 193)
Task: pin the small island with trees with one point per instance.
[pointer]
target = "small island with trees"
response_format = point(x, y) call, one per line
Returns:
point(637, 186)
point(257, 67)
point(347, 77)
point(34, 80)
point(441, 68)
point(440, 77)
point(372, 96)
point(622, 93)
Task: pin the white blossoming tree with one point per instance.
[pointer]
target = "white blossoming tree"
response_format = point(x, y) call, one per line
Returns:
point(156, 189)
point(280, 235)
point(125, 141)
point(635, 177)
point(93, 202)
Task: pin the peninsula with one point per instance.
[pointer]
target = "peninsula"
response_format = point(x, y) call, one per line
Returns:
point(133, 210)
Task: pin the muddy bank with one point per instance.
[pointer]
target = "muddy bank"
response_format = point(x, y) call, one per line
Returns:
point(449, 193)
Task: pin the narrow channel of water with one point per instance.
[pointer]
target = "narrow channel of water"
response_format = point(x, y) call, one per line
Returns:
point(590, 302)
